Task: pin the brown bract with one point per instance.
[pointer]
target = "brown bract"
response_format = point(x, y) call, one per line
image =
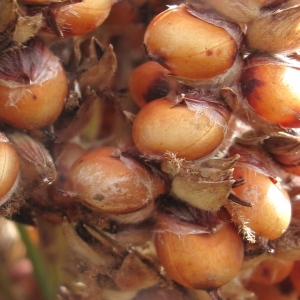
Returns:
point(205, 185)
point(238, 11)
point(275, 31)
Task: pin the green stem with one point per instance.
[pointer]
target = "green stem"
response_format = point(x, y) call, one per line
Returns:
point(38, 264)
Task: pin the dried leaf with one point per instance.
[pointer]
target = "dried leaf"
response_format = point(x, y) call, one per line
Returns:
point(73, 124)
point(35, 153)
point(83, 250)
point(8, 18)
point(135, 274)
point(27, 27)
point(283, 143)
point(99, 77)
point(202, 194)
point(88, 52)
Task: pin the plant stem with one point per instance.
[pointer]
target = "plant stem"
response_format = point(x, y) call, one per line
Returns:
point(38, 264)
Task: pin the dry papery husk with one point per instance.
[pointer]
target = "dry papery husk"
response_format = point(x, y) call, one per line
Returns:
point(235, 289)
point(241, 11)
point(287, 247)
point(96, 255)
point(285, 146)
point(200, 100)
point(85, 260)
point(196, 99)
point(176, 292)
point(232, 74)
point(111, 294)
point(263, 147)
point(203, 100)
point(183, 228)
point(93, 76)
point(182, 218)
point(76, 115)
point(204, 184)
point(130, 234)
point(134, 217)
point(16, 71)
point(27, 27)
point(136, 273)
point(116, 230)
point(8, 19)
point(276, 31)
point(232, 96)
point(255, 158)
point(193, 95)
point(15, 26)
point(35, 158)
point(132, 262)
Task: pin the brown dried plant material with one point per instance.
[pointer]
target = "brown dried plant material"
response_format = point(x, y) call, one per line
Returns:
point(8, 18)
point(87, 52)
point(99, 76)
point(255, 158)
point(37, 157)
point(288, 245)
point(232, 96)
point(174, 293)
point(16, 27)
point(205, 185)
point(95, 69)
point(134, 217)
point(236, 289)
point(64, 155)
point(275, 31)
point(96, 255)
point(130, 235)
point(241, 11)
point(73, 121)
point(284, 148)
point(27, 27)
point(135, 273)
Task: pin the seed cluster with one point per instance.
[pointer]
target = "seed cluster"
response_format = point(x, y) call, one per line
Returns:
point(152, 147)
